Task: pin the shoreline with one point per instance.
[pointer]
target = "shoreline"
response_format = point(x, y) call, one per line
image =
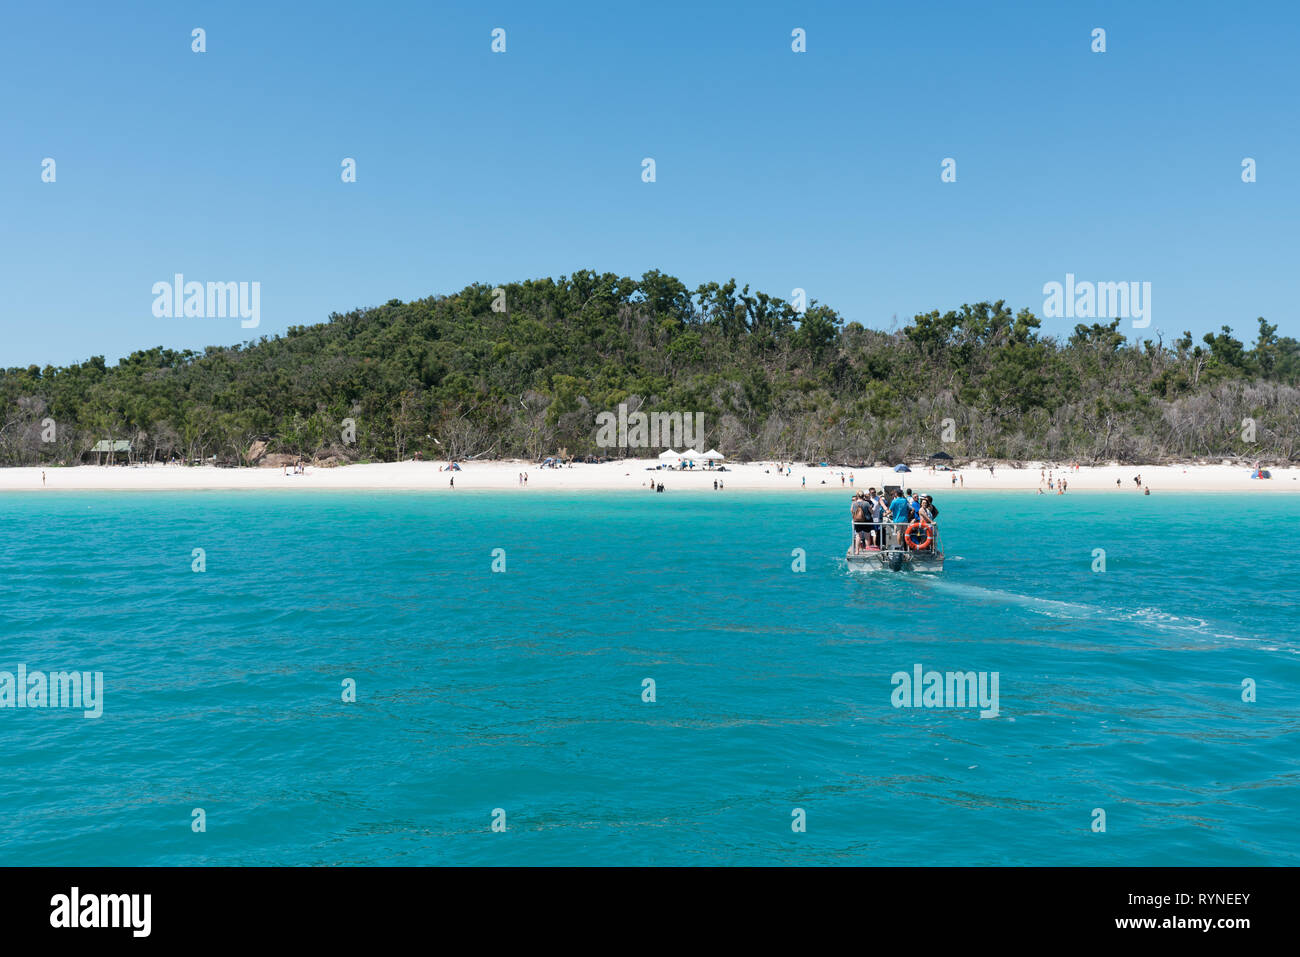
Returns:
point(631, 476)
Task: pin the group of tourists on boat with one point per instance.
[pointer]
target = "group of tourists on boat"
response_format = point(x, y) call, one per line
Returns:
point(881, 522)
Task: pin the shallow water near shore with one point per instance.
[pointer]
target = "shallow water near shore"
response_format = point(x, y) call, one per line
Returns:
point(521, 690)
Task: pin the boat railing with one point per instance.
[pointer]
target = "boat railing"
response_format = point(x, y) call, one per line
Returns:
point(893, 532)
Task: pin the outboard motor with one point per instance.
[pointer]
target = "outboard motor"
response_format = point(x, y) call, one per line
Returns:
point(895, 559)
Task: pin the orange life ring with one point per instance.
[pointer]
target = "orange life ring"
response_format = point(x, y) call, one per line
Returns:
point(918, 546)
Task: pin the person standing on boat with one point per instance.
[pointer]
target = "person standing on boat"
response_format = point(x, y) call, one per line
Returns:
point(858, 515)
point(900, 512)
point(913, 506)
point(879, 508)
point(869, 509)
point(926, 514)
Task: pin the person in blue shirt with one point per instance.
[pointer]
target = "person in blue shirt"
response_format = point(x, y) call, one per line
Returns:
point(900, 511)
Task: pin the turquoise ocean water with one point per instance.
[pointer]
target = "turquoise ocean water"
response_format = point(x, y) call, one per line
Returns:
point(476, 690)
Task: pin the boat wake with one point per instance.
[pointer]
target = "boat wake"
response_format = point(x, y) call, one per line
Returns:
point(1043, 606)
point(1148, 618)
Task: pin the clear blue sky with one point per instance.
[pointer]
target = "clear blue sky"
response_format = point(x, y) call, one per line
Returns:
point(818, 170)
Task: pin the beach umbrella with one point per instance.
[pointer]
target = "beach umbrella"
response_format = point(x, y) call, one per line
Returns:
point(668, 456)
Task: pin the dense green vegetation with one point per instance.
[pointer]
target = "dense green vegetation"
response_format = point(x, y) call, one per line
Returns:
point(450, 377)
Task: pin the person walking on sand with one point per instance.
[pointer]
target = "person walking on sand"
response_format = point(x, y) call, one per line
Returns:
point(453, 481)
point(803, 482)
point(42, 480)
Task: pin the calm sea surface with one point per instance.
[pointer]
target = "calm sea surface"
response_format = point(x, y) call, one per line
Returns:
point(1119, 690)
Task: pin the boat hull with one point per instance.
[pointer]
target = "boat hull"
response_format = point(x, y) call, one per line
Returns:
point(895, 560)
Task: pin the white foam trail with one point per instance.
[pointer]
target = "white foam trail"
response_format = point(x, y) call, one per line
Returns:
point(1152, 618)
point(1046, 606)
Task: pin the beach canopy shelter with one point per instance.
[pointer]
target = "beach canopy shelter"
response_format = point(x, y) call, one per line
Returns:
point(111, 448)
point(900, 467)
point(669, 456)
point(713, 455)
point(690, 454)
point(942, 455)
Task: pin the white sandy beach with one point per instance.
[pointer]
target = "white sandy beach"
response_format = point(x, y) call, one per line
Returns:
point(631, 475)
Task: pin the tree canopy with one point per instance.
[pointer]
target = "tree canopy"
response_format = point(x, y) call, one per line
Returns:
point(452, 377)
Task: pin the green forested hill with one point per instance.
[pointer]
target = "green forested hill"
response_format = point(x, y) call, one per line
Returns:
point(450, 377)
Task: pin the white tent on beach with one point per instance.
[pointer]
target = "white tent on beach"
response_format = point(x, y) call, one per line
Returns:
point(669, 456)
point(690, 454)
point(713, 455)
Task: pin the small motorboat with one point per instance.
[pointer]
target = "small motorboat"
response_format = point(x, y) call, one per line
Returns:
point(913, 546)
